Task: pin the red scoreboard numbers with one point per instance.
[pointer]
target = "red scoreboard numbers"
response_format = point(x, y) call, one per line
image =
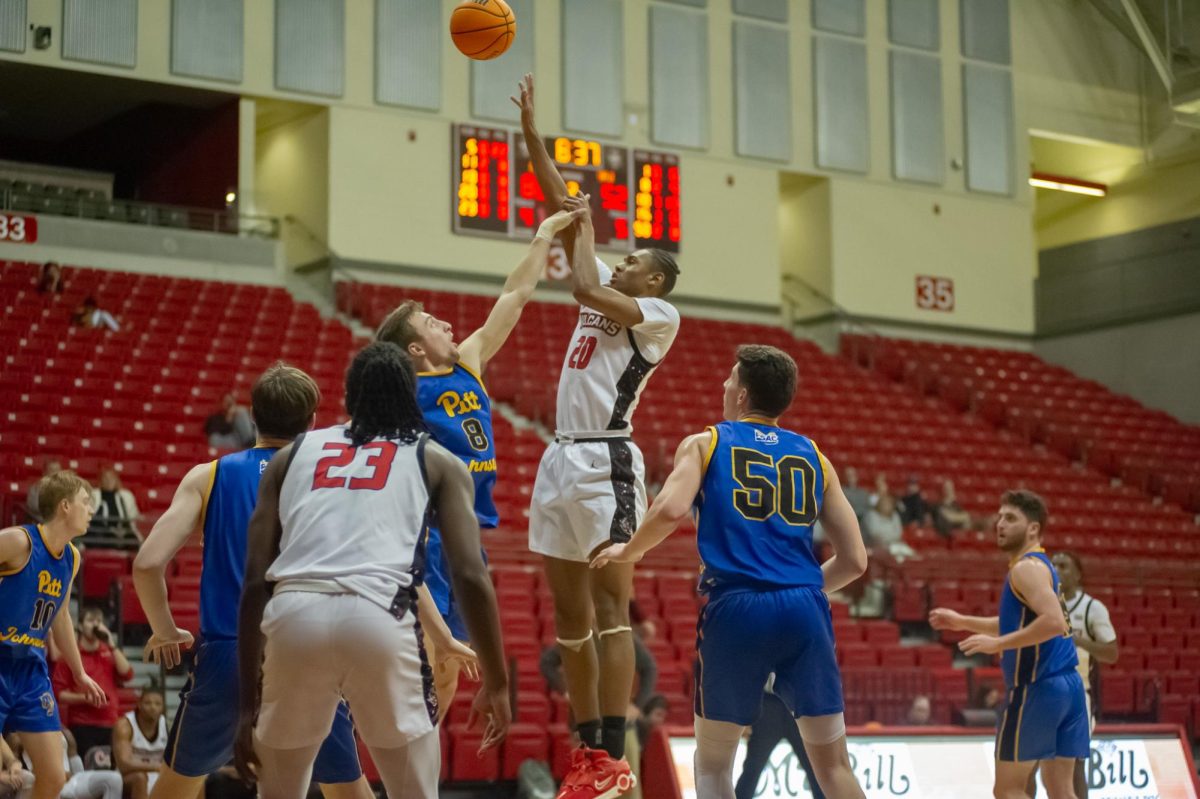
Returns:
point(634, 194)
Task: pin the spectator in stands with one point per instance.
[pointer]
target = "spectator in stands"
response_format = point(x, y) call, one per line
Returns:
point(51, 280)
point(913, 507)
point(948, 515)
point(881, 489)
point(80, 784)
point(90, 315)
point(13, 778)
point(858, 497)
point(31, 498)
point(884, 529)
point(116, 509)
point(104, 663)
point(139, 740)
point(920, 712)
point(231, 427)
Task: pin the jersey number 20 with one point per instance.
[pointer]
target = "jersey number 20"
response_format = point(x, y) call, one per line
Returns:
point(786, 487)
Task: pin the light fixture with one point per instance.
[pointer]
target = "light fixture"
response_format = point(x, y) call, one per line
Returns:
point(230, 197)
point(1044, 180)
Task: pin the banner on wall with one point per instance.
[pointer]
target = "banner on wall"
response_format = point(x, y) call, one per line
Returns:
point(961, 767)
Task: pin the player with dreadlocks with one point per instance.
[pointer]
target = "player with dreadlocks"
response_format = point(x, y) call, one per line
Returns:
point(339, 531)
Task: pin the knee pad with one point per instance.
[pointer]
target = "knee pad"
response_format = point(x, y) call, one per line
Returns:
point(822, 730)
point(575, 644)
point(614, 631)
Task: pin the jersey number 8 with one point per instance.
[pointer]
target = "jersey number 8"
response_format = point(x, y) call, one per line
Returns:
point(774, 487)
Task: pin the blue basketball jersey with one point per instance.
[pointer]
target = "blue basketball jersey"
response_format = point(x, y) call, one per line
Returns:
point(31, 596)
point(232, 496)
point(1047, 659)
point(459, 414)
point(762, 492)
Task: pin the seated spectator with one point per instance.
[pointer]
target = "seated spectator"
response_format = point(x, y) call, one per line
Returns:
point(884, 530)
point(139, 740)
point(859, 499)
point(654, 714)
point(91, 316)
point(231, 427)
point(51, 280)
point(80, 784)
point(919, 714)
point(913, 507)
point(116, 509)
point(948, 515)
point(645, 672)
point(106, 664)
point(881, 489)
point(31, 498)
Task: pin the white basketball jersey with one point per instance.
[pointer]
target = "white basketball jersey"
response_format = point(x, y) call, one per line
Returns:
point(1089, 615)
point(353, 517)
point(607, 365)
point(145, 751)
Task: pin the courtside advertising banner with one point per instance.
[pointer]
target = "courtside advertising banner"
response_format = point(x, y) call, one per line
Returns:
point(961, 767)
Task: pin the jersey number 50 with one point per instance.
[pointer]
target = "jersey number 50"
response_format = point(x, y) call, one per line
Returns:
point(770, 487)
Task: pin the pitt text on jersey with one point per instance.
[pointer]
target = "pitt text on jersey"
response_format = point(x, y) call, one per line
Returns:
point(455, 404)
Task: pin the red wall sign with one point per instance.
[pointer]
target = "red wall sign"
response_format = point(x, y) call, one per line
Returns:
point(18, 229)
point(935, 293)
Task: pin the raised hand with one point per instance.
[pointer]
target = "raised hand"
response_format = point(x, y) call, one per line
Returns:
point(525, 101)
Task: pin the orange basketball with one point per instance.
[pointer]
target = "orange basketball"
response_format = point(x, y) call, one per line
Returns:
point(482, 29)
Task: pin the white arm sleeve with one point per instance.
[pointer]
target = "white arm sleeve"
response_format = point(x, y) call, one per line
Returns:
point(1100, 624)
point(605, 272)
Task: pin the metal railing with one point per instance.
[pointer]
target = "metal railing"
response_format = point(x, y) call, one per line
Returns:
point(58, 201)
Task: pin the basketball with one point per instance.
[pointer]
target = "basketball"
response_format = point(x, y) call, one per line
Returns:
point(483, 29)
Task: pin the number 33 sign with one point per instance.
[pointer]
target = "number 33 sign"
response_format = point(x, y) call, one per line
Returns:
point(935, 293)
point(18, 229)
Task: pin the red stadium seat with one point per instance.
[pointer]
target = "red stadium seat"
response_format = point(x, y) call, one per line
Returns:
point(524, 742)
point(466, 764)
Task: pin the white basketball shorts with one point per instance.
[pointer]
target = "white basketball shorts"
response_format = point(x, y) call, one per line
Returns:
point(321, 647)
point(587, 494)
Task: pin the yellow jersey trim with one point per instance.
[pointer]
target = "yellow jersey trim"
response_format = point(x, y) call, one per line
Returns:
point(212, 478)
point(712, 447)
point(21, 568)
point(758, 420)
point(478, 377)
point(75, 556)
point(46, 544)
point(821, 463)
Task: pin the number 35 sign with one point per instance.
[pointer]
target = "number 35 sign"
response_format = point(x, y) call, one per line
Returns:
point(18, 229)
point(935, 293)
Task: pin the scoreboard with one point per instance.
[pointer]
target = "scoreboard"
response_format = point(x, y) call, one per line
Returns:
point(635, 193)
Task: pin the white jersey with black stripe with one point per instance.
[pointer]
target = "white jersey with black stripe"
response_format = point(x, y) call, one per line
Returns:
point(607, 366)
point(354, 518)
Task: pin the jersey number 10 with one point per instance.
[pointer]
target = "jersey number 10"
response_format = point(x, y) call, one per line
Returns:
point(774, 487)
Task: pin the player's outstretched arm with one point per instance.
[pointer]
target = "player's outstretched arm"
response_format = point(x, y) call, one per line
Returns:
point(262, 547)
point(445, 648)
point(947, 619)
point(166, 538)
point(670, 508)
point(585, 276)
point(554, 188)
point(1029, 579)
point(454, 498)
point(484, 343)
